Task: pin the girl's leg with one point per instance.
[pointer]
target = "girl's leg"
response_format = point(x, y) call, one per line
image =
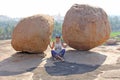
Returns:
point(53, 53)
point(60, 58)
point(62, 52)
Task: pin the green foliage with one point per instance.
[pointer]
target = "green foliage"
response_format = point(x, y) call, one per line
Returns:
point(57, 28)
point(6, 27)
point(1, 30)
point(114, 34)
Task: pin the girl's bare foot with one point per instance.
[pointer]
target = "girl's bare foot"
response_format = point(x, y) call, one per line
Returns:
point(60, 58)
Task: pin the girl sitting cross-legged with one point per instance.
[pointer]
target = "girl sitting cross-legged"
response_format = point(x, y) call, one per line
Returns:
point(57, 48)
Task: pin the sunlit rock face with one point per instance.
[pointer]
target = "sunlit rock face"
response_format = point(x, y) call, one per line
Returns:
point(85, 27)
point(32, 34)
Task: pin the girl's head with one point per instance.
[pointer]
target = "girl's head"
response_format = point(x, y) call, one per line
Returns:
point(58, 38)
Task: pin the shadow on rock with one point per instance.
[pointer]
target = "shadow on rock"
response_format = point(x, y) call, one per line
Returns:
point(19, 63)
point(67, 68)
point(76, 62)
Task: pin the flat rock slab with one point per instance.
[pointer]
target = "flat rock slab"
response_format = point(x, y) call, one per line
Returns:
point(111, 74)
point(101, 63)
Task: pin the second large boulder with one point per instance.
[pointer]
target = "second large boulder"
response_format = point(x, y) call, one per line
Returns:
point(85, 27)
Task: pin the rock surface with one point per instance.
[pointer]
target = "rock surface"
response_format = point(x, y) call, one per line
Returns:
point(32, 34)
point(85, 27)
point(111, 42)
point(100, 63)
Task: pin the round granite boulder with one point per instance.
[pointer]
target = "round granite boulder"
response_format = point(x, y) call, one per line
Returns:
point(32, 34)
point(85, 27)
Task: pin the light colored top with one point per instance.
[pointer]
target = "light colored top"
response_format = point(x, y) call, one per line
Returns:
point(58, 47)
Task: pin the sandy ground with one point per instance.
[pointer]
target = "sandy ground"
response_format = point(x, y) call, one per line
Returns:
point(100, 63)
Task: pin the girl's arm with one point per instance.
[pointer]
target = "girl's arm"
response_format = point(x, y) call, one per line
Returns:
point(52, 46)
point(64, 45)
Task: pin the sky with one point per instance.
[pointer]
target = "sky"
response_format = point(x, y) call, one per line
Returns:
point(24, 8)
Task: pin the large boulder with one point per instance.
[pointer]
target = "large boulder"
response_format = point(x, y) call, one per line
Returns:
point(32, 34)
point(85, 27)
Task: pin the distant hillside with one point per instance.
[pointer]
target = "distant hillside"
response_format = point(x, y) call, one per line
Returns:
point(7, 21)
point(6, 18)
point(115, 23)
point(7, 25)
